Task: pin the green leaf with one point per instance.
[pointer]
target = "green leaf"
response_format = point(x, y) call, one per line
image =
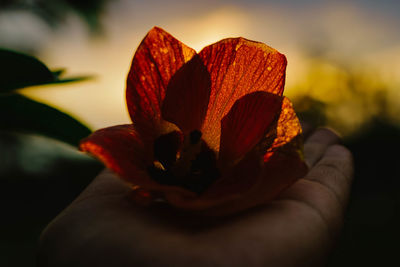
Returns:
point(58, 72)
point(23, 114)
point(69, 80)
point(18, 70)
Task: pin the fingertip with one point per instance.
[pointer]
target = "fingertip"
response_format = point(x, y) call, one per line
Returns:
point(324, 135)
point(339, 150)
point(332, 130)
point(344, 157)
point(317, 144)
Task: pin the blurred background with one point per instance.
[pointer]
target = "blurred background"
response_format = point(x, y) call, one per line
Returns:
point(343, 71)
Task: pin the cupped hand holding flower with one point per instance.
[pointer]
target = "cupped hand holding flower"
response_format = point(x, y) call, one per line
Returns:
point(103, 227)
point(212, 135)
point(211, 131)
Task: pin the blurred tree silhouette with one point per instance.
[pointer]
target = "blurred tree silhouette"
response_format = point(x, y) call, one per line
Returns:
point(343, 96)
point(55, 11)
point(359, 104)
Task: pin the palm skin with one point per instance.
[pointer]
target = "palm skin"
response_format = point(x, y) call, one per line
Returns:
point(103, 226)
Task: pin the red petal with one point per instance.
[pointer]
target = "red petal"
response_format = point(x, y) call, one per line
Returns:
point(247, 123)
point(238, 67)
point(278, 174)
point(255, 179)
point(288, 139)
point(239, 179)
point(249, 186)
point(156, 60)
point(121, 149)
point(187, 96)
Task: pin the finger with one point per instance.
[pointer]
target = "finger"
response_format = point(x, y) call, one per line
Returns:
point(335, 172)
point(316, 145)
point(326, 187)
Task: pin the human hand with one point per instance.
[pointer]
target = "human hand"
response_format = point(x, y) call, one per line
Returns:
point(104, 227)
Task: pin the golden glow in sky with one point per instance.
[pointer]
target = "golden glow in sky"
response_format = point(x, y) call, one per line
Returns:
point(304, 36)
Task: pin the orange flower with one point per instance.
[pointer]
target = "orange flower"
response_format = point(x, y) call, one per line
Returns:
point(211, 131)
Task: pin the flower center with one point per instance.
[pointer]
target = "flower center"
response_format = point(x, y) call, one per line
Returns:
point(188, 163)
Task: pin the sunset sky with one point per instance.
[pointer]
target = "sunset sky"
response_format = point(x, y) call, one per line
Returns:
point(356, 34)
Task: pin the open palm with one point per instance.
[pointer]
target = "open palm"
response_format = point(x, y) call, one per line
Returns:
point(103, 226)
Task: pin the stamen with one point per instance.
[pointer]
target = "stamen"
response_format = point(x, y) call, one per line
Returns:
point(166, 147)
point(158, 165)
point(190, 164)
point(195, 137)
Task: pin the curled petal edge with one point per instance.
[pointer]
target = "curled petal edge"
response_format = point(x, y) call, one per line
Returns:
point(121, 150)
